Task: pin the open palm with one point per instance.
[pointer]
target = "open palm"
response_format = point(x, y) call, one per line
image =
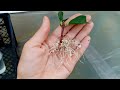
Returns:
point(37, 63)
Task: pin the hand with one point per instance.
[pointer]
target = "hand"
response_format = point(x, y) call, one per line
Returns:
point(37, 63)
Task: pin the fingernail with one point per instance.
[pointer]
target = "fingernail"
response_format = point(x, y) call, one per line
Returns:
point(90, 22)
point(44, 18)
point(44, 21)
point(88, 17)
point(89, 38)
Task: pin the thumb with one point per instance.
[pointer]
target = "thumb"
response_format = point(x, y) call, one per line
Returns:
point(42, 34)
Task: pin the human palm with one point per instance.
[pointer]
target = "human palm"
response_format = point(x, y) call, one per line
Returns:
point(36, 61)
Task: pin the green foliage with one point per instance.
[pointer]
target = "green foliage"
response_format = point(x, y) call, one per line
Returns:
point(78, 20)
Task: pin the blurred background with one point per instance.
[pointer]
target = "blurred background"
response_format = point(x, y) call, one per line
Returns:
point(102, 58)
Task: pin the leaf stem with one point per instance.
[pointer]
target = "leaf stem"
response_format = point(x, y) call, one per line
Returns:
point(61, 37)
point(62, 33)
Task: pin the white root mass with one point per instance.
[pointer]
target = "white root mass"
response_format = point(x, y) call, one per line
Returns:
point(66, 48)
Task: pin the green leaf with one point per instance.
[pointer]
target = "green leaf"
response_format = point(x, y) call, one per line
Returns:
point(79, 20)
point(60, 16)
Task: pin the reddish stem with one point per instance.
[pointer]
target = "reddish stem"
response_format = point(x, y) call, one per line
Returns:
point(62, 33)
point(61, 37)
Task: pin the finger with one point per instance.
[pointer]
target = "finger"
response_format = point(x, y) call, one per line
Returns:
point(41, 35)
point(85, 31)
point(71, 62)
point(58, 30)
point(74, 31)
point(79, 52)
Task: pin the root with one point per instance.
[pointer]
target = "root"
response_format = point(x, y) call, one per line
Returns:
point(65, 50)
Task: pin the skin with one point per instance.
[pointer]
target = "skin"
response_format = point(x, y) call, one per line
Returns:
point(36, 62)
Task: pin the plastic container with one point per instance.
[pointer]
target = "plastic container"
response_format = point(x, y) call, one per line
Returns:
point(2, 64)
point(8, 47)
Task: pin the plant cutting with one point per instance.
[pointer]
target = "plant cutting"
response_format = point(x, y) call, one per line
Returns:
point(65, 46)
